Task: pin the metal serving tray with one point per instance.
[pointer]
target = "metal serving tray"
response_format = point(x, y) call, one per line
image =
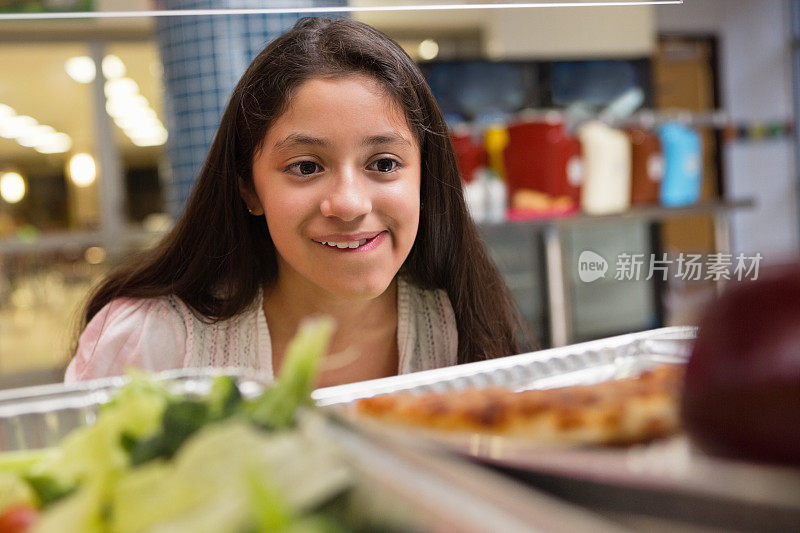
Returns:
point(668, 479)
point(39, 416)
point(578, 364)
point(400, 487)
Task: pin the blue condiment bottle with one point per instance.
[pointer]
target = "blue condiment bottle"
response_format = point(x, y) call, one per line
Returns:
point(683, 165)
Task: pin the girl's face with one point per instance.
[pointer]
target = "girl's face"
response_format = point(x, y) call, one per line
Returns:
point(338, 179)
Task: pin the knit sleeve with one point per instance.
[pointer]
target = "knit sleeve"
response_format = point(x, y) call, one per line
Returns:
point(427, 332)
point(149, 334)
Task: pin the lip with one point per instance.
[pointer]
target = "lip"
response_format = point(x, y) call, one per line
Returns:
point(374, 239)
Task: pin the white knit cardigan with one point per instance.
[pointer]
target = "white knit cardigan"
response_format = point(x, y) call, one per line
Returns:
point(162, 333)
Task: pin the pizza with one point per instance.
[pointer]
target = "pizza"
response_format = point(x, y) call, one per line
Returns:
point(622, 411)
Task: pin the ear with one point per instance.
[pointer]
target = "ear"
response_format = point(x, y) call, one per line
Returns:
point(250, 198)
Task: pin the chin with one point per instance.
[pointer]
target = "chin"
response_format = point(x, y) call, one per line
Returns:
point(359, 289)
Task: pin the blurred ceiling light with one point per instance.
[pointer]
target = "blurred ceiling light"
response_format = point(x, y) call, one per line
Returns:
point(82, 170)
point(95, 255)
point(29, 141)
point(428, 49)
point(57, 143)
point(36, 136)
point(146, 136)
point(127, 122)
point(116, 107)
point(144, 122)
point(139, 101)
point(23, 126)
point(146, 118)
point(81, 69)
point(146, 142)
point(12, 187)
point(17, 126)
point(121, 87)
point(29, 133)
point(113, 67)
point(154, 138)
point(128, 104)
point(44, 131)
point(132, 113)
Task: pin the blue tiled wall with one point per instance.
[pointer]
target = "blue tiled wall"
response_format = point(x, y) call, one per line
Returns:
point(203, 57)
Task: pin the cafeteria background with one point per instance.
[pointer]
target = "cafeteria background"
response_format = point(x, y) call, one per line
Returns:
point(623, 163)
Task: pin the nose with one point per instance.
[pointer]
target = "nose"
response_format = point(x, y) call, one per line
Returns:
point(347, 196)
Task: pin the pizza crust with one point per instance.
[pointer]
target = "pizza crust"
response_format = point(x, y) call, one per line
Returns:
point(622, 411)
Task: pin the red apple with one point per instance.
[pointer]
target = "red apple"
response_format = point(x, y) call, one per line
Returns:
point(18, 519)
point(742, 388)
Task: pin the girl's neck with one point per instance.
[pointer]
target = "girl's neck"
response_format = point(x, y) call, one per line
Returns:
point(364, 345)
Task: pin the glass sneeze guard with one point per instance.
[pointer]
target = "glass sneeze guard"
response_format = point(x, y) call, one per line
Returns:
point(83, 9)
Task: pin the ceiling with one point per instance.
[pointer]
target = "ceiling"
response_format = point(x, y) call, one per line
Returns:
point(35, 83)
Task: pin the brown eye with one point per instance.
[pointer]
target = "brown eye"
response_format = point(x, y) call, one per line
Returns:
point(304, 168)
point(307, 167)
point(384, 164)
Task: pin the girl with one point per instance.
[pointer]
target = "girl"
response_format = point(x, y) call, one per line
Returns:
point(331, 187)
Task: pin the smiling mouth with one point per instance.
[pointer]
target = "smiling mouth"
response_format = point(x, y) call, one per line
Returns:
point(360, 244)
point(350, 244)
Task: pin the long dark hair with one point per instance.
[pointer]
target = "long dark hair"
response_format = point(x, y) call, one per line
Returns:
point(217, 244)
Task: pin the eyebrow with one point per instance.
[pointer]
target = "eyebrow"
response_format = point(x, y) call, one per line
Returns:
point(305, 140)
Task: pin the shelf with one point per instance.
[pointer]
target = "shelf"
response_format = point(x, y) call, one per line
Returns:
point(136, 238)
point(61, 241)
point(558, 306)
point(637, 214)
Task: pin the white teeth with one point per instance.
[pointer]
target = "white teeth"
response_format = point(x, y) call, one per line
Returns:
point(353, 244)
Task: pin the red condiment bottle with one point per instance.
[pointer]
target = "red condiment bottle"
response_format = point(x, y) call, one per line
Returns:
point(542, 156)
point(647, 166)
point(470, 154)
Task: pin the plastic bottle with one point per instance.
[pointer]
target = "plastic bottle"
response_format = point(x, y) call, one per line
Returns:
point(683, 165)
point(496, 198)
point(647, 166)
point(542, 156)
point(475, 196)
point(495, 140)
point(607, 169)
point(470, 153)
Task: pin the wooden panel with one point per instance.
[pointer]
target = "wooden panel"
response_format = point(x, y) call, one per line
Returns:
point(684, 79)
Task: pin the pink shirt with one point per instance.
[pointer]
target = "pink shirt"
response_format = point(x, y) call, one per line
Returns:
point(163, 333)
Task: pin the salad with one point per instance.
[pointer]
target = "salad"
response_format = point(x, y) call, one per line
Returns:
point(161, 462)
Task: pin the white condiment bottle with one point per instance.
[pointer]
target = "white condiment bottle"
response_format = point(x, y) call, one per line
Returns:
point(607, 169)
point(497, 199)
point(475, 196)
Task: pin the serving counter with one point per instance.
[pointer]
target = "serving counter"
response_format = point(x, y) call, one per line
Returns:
point(480, 482)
